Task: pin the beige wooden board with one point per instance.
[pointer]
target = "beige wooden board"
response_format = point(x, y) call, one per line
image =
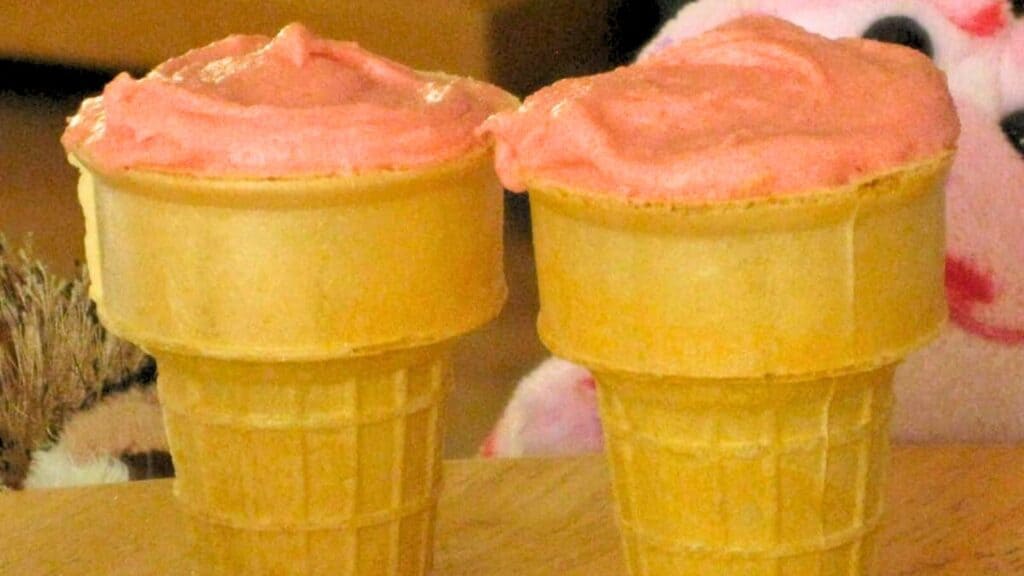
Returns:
point(954, 510)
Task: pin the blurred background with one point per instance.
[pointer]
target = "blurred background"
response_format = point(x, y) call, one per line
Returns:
point(55, 52)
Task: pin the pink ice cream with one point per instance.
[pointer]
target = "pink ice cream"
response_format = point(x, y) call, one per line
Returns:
point(291, 105)
point(755, 108)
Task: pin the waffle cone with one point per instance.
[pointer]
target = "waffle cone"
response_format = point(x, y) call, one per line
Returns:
point(302, 330)
point(744, 354)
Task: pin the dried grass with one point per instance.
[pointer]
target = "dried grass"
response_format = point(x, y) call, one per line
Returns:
point(55, 358)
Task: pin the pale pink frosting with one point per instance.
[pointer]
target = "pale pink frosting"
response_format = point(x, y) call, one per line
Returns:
point(295, 104)
point(757, 107)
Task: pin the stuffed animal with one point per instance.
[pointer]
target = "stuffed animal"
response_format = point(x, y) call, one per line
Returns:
point(77, 405)
point(969, 385)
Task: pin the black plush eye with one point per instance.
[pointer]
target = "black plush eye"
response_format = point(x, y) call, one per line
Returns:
point(1013, 127)
point(902, 30)
point(1018, 7)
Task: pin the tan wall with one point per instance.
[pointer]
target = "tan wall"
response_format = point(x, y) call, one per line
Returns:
point(518, 43)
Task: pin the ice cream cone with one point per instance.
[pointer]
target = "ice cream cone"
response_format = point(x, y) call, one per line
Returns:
point(743, 353)
point(302, 330)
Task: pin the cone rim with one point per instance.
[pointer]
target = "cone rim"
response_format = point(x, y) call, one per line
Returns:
point(376, 185)
point(871, 186)
point(890, 357)
point(160, 343)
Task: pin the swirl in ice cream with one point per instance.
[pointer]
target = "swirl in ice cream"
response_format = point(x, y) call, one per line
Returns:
point(290, 105)
point(755, 108)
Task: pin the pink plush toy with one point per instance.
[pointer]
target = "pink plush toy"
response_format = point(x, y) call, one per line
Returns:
point(969, 385)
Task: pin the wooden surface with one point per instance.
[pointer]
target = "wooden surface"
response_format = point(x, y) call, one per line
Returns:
point(953, 511)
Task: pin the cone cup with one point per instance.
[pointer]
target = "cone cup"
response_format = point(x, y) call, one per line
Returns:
point(295, 269)
point(744, 353)
point(303, 332)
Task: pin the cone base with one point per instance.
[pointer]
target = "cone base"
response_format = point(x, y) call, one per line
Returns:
point(306, 468)
point(230, 551)
point(748, 477)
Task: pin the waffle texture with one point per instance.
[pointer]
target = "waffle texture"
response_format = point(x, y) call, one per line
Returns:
point(748, 477)
point(320, 468)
